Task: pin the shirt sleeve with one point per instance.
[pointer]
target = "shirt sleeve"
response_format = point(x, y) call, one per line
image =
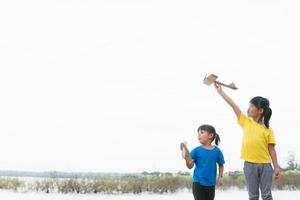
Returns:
point(220, 158)
point(243, 119)
point(271, 137)
point(193, 154)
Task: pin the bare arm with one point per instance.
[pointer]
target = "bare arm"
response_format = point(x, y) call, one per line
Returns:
point(189, 162)
point(221, 171)
point(273, 155)
point(220, 177)
point(230, 102)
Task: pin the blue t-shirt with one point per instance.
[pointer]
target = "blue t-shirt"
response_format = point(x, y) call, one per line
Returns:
point(206, 161)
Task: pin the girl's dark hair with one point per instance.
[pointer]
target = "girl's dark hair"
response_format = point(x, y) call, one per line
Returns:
point(212, 130)
point(263, 103)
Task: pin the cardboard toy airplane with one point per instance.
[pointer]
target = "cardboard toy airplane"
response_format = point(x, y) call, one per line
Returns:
point(208, 80)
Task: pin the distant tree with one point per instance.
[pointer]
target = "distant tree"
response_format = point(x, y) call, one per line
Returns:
point(181, 173)
point(168, 174)
point(292, 164)
point(156, 173)
point(144, 173)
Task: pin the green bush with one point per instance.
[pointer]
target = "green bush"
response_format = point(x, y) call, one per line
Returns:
point(165, 183)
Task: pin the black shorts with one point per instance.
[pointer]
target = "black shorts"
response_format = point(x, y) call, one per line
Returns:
point(201, 192)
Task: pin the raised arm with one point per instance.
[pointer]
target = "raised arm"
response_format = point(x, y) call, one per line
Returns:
point(187, 156)
point(230, 102)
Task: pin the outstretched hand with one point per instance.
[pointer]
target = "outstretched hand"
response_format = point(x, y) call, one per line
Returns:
point(218, 86)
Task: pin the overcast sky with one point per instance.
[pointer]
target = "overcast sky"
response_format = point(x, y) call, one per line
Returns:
point(116, 85)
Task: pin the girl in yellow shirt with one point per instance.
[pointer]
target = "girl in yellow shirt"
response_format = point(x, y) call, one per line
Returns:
point(258, 146)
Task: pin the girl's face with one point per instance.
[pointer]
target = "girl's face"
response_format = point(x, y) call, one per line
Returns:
point(204, 137)
point(253, 111)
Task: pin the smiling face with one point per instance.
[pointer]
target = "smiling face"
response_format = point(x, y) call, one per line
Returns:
point(205, 137)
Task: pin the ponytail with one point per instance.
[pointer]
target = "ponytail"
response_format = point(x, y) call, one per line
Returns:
point(267, 116)
point(217, 139)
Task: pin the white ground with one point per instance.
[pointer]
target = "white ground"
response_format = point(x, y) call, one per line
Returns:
point(231, 194)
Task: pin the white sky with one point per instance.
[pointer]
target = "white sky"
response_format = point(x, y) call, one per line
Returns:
point(115, 86)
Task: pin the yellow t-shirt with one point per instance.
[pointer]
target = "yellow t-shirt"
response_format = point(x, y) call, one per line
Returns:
point(256, 139)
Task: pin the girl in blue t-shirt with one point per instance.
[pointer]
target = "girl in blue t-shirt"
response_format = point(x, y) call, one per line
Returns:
point(205, 157)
